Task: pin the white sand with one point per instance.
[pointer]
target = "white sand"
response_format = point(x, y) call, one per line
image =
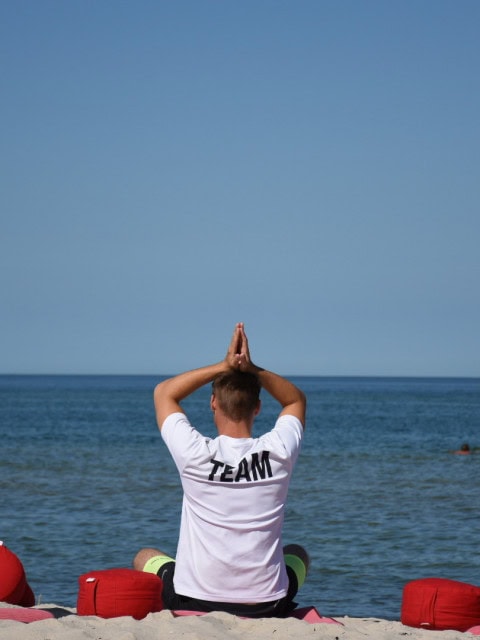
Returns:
point(212, 626)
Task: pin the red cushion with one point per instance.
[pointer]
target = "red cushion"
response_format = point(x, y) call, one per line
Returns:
point(119, 592)
point(13, 583)
point(439, 603)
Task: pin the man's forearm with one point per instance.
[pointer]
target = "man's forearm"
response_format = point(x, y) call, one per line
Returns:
point(169, 393)
point(184, 384)
point(291, 398)
point(284, 391)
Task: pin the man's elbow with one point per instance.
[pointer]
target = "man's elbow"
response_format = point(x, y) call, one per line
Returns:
point(301, 399)
point(301, 407)
point(159, 393)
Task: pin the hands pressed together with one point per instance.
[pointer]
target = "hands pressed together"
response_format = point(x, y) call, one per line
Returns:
point(238, 354)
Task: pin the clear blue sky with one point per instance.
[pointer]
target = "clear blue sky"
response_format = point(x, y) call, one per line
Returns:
point(308, 167)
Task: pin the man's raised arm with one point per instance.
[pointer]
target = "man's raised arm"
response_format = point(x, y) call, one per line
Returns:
point(169, 394)
point(291, 398)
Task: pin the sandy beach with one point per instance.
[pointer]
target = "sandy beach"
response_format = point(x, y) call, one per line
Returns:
point(214, 626)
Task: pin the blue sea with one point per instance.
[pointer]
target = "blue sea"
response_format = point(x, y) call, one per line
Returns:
point(377, 497)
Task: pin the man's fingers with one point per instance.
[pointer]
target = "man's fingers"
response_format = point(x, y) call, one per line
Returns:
point(244, 349)
point(235, 342)
point(238, 355)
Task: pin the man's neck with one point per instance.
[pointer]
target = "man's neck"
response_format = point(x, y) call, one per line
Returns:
point(234, 429)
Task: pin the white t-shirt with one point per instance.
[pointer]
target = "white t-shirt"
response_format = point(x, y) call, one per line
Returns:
point(235, 489)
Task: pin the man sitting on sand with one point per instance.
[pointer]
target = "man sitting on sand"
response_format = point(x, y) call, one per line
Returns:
point(230, 556)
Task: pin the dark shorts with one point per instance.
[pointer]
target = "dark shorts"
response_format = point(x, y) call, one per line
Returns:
point(276, 608)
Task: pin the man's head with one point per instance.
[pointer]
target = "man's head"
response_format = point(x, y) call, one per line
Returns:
point(237, 395)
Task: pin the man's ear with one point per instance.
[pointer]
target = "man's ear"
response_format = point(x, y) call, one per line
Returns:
point(259, 406)
point(213, 402)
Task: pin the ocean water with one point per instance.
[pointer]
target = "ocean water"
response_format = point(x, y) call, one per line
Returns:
point(377, 496)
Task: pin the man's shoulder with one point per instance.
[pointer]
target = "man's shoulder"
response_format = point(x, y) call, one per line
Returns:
point(287, 429)
point(177, 425)
point(289, 421)
point(173, 418)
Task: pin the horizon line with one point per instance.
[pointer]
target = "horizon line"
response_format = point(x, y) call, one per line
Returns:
point(287, 375)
